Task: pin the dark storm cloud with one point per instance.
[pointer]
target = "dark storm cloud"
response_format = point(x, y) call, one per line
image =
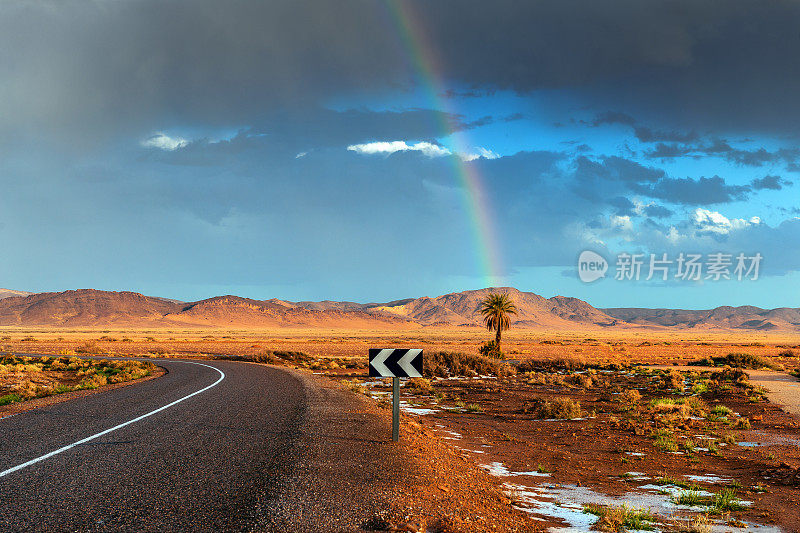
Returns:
point(648, 135)
point(721, 148)
point(88, 69)
point(688, 191)
point(613, 117)
point(624, 207)
point(774, 183)
point(657, 211)
point(667, 151)
point(607, 174)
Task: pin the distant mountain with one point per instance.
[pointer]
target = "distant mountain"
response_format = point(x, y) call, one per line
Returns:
point(88, 307)
point(243, 312)
point(84, 307)
point(10, 293)
point(462, 309)
point(745, 317)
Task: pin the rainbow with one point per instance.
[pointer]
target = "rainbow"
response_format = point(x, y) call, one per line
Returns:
point(424, 61)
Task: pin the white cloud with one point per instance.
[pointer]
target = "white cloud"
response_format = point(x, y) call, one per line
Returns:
point(623, 223)
point(708, 221)
point(164, 142)
point(673, 235)
point(426, 148)
point(384, 147)
point(481, 153)
point(301, 155)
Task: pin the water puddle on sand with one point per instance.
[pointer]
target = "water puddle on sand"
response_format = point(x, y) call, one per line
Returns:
point(564, 504)
point(499, 469)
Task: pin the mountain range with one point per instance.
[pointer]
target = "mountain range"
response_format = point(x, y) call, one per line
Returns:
point(89, 307)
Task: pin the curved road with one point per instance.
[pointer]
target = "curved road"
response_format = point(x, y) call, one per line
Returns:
point(212, 446)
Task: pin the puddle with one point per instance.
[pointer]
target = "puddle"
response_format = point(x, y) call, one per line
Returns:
point(499, 469)
point(419, 411)
point(749, 444)
point(566, 502)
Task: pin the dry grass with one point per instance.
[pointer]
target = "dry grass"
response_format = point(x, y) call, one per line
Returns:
point(25, 378)
point(568, 349)
point(556, 408)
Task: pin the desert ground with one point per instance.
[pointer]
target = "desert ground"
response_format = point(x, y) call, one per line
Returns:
point(584, 429)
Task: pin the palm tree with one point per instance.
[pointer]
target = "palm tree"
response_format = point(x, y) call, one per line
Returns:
point(496, 309)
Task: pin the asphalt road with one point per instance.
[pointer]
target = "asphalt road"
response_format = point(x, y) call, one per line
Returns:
point(230, 447)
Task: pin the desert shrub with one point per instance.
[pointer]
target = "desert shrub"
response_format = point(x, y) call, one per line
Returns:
point(274, 357)
point(666, 444)
point(555, 408)
point(698, 524)
point(474, 408)
point(10, 398)
point(292, 356)
point(445, 364)
point(686, 407)
point(672, 380)
point(630, 397)
point(620, 518)
point(266, 357)
point(786, 353)
point(93, 380)
point(579, 380)
point(27, 389)
point(419, 386)
point(743, 423)
point(356, 386)
point(721, 410)
point(490, 349)
point(730, 375)
point(690, 497)
point(89, 348)
point(736, 360)
point(557, 363)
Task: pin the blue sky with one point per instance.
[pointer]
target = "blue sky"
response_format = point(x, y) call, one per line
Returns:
point(292, 150)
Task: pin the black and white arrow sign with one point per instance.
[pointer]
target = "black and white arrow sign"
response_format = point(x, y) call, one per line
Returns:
point(395, 363)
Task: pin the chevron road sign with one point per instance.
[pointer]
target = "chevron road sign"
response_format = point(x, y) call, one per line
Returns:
point(395, 363)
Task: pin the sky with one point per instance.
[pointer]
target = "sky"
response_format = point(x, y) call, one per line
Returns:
point(373, 151)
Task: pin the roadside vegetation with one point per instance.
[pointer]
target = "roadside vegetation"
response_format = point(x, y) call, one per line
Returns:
point(738, 360)
point(25, 378)
point(622, 518)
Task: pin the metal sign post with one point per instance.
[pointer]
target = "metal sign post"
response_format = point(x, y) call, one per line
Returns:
point(395, 409)
point(395, 364)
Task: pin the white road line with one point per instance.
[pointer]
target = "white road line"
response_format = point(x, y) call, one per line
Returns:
point(109, 430)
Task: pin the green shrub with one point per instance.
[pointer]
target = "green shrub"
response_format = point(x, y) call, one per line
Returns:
point(490, 349)
point(558, 408)
point(736, 360)
point(10, 398)
point(419, 386)
point(620, 518)
point(666, 444)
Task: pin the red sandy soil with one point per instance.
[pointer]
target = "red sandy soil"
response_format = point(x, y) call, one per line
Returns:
point(598, 450)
